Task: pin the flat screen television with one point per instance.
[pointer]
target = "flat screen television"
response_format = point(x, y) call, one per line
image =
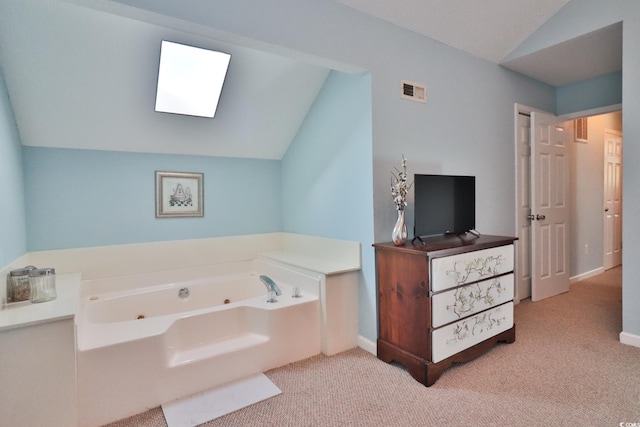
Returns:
point(444, 204)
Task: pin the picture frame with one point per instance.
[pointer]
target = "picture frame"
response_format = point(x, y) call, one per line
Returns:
point(179, 194)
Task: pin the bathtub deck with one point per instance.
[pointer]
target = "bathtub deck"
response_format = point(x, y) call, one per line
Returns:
point(228, 345)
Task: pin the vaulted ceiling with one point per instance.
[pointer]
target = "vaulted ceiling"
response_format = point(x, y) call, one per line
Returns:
point(489, 29)
point(51, 72)
point(492, 29)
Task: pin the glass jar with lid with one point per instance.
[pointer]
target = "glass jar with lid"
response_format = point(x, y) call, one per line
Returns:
point(42, 284)
point(18, 286)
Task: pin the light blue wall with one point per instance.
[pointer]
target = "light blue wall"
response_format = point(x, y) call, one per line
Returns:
point(84, 198)
point(326, 177)
point(630, 170)
point(13, 242)
point(466, 127)
point(326, 172)
point(467, 124)
point(577, 18)
point(589, 94)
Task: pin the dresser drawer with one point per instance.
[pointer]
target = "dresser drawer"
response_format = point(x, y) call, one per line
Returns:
point(458, 336)
point(458, 303)
point(456, 270)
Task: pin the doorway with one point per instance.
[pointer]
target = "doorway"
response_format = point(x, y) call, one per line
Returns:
point(597, 199)
point(587, 242)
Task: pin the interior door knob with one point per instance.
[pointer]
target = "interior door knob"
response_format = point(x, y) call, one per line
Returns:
point(531, 217)
point(540, 217)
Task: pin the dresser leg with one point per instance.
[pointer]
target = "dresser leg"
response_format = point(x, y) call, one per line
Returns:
point(509, 336)
point(421, 370)
point(416, 366)
point(426, 372)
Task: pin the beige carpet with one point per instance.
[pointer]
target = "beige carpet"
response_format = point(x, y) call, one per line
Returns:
point(566, 368)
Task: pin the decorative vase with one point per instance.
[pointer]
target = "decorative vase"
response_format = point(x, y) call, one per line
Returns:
point(399, 234)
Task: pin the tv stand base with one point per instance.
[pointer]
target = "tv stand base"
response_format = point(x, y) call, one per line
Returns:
point(418, 238)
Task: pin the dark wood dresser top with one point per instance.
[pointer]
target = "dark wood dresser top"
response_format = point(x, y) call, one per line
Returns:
point(448, 244)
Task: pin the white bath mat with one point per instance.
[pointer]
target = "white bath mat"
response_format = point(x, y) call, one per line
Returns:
point(211, 404)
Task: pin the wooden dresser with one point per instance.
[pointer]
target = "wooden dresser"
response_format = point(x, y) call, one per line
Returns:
point(447, 300)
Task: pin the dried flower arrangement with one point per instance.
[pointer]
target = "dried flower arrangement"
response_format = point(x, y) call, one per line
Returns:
point(399, 186)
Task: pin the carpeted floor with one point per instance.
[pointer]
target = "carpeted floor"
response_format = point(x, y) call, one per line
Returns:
point(567, 367)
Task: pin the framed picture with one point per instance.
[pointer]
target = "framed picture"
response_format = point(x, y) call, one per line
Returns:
point(179, 194)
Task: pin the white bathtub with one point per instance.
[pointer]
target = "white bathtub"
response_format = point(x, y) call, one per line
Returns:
point(140, 344)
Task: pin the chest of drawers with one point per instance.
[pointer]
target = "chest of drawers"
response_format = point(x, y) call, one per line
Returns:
point(445, 301)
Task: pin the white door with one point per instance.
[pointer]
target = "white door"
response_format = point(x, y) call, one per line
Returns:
point(523, 201)
point(549, 207)
point(612, 199)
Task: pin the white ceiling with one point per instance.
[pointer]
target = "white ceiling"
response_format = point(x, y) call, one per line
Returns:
point(591, 55)
point(492, 29)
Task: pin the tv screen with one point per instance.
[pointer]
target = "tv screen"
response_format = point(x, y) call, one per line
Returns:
point(444, 204)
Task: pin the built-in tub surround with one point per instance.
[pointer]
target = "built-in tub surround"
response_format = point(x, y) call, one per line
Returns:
point(141, 347)
point(37, 359)
point(113, 351)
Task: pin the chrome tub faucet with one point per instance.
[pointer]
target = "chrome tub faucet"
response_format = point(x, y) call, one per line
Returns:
point(271, 285)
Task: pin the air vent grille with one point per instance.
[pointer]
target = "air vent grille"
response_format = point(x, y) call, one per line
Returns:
point(581, 130)
point(413, 91)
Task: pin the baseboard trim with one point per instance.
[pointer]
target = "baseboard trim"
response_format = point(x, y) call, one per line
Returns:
point(367, 345)
point(630, 339)
point(586, 275)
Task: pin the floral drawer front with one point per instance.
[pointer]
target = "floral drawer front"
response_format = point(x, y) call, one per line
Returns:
point(464, 301)
point(452, 271)
point(458, 336)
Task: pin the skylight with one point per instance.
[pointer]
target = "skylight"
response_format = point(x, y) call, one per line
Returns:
point(190, 79)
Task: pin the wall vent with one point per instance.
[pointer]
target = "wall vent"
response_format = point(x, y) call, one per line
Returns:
point(581, 130)
point(413, 91)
